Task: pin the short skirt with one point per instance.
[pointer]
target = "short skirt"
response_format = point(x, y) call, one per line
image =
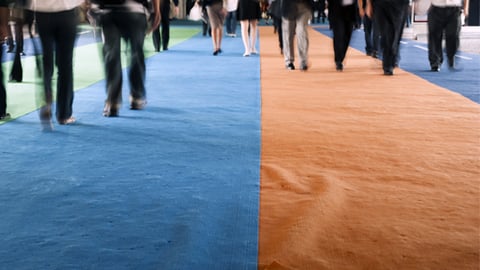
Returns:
point(248, 10)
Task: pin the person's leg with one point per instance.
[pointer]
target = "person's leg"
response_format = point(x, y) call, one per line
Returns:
point(228, 23)
point(253, 36)
point(367, 28)
point(234, 23)
point(216, 30)
point(65, 36)
point(133, 29)
point(245, 38)
point(338, 30)
point(288, 32)
point(435, 35)
point(165, 32)
point(301, 31)
point(45, 30)
point(218, 38)
point(452, 35)
point(112, 62)
point(156, 38)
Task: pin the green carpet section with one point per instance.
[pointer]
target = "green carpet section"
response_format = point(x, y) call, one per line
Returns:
point(22, 98)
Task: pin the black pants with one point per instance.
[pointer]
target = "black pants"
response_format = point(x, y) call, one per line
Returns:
point(58, 31)
point(131, 27)
point(343, 20)
point(390, 17)
point(165, 24)
point(442, 20)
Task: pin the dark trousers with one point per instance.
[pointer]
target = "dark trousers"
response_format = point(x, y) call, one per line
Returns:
point(131, 27)
point(58, 31)
point(390, 17)
point(372, 38)
point(442, 20)
point(343, 20)
point(3, 92)
point(277, 24)
point(165, 24)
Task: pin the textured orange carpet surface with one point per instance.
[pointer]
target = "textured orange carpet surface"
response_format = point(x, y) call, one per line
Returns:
point(364, 171)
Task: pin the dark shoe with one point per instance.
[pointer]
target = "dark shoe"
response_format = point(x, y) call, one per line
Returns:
point(435, 69)
point(137, 104)
point(215, 52)
point(5, 117)
point(67, 121)
point(109, 111)
point(388, 72)
point(291, 66)
point(374, 55)
point(451, 62)
point(304, 67)
point(339, 66)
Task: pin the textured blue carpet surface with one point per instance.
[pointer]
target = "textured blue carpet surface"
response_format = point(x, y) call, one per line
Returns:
point(464, 79)
point(175, 186)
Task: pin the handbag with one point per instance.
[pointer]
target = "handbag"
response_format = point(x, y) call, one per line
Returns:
point(195, 13)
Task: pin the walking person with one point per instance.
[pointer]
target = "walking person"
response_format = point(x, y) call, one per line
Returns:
point(343, 18)
point(231, 19)
point(128, 21)
point(248, 13)
point(57, 27)
point(444, 17)
point(216, 15)
point(18, 18)
point(274, 10)
point(164, 38)
point(390, 16)
point(295, 17)
point(372, 38)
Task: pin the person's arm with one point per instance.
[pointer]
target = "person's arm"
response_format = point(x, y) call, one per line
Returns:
point(369, 9)
point(361, 10)
point(156, 14)
point(466, 7)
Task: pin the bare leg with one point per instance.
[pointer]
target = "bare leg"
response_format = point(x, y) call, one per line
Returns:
point(253, 36)
point(245, 37)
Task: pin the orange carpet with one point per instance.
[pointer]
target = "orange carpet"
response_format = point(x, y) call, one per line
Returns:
point(364, 171)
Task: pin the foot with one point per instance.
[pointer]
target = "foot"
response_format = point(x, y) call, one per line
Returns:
point(67, 121)
point(138, 104)
point(304, 67)
point(435, 69)
point(245, 54)
point(388, 72)
point(215, 52)
point(290, 66)
point(253, 51)
point(339, 66)
point(110, 111)
point(5, 117)
point(46, 117)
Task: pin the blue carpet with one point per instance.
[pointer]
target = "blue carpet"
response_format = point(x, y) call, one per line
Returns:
point(175, 186)
point(465, 79)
